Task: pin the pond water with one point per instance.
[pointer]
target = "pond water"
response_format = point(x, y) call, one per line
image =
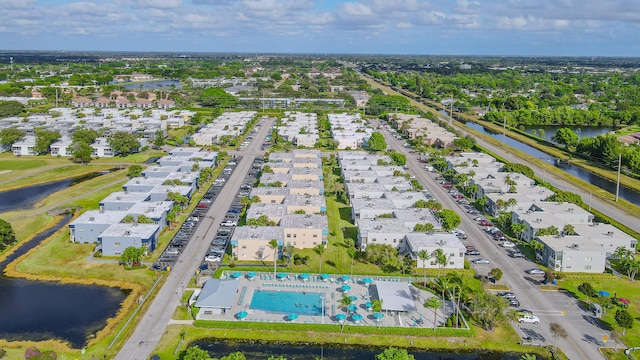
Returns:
point(582, 131)
point(263, 351)
point(26, 197)
point(43, 310)
point(626, 193)
point(153, 85)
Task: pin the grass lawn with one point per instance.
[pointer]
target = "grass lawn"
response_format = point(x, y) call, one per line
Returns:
point(14, 163)
point(622, 288)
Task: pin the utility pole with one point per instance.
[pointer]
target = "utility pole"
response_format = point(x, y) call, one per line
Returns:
point(618, 183)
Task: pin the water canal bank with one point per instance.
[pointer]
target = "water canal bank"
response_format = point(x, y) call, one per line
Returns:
point(39, 310)
point(264, 350)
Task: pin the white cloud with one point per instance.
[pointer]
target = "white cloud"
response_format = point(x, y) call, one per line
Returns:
point(160, 4)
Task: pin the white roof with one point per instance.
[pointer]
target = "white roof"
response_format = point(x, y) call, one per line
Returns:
point(395, 296)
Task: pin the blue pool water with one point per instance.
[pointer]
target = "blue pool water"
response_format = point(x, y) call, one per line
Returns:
point(301, 303)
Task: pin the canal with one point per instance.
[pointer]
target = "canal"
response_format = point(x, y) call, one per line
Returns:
point(26, 197)
point(263, 351)
point(44, 310)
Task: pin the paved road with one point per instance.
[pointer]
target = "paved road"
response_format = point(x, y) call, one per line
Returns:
point(584, 332)
point(564, 183)
point(152, 325)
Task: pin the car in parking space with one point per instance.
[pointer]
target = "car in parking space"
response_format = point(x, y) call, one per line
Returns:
point(232, 163)
point(517, 254)
point(485, 223)
point(514, 303)
point(479, 218)
point(473, 211)
point(529, 319)
point(457, 196)
point(447, 185)
point(235, 210)
point(523, 312)
point(481, 261)
point(507, 295)
point(473, 252)
point(499, 237)
point(459, 233)
point(172, 251)
point(534, 271)
point(507, 244)
point(470, 247)
point(463, 201)
point(213, 258)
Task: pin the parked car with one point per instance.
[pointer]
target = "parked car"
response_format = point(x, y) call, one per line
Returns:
point(481, 261)
point(517, 254)
point(473, 212)
point(530, 319)
point(470, 247)
point(472, 252)
point(485, 223)
point(514, 303)
point(507, 244)
point(213, 258)
point(457, 196)
point(523, 312)
point(534, 271)
point(229, 223)
point(463, 201)
point(507, 295)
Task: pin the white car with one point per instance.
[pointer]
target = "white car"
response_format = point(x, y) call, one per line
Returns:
point(231, 163)
point(507, 244)
point(535, 271)
point(481, 261)
point(531, 319)
point(229, 223)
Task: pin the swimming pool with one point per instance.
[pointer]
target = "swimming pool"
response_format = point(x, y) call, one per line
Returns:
point(301, 303)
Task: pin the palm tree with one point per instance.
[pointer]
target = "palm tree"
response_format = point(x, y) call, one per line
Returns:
point(434, 303)
point(536, 245)
point(557, 331)
point(273, 244)
point(424, 255)
point(518, 229)
point(320, 250)
point(569, 230)
point(352, 255)
point(621, 253)
point(441, 259)
point(428, 227)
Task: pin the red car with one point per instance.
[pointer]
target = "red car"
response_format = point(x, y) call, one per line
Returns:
point(457, 196)
point(485, 223)
point(447, 186)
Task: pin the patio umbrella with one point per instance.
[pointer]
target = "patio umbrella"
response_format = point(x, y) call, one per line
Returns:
point(292, 316)
point(345, 278)
point(281, 275)
point(324, 276)
point(624, 301)
point(346, 288)
point(251, 275)
point(367, 281)
point(352, 307)
point(236, 274)
point(353, 298)
point(356, 317)
point(304, 276)
point(242, 314)
point(368, 304)
point(378, 315)
point(341, 317)
point(603, 293)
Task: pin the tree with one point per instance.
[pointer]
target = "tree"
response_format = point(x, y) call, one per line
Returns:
point(587, 289)
point(158, 138)
point(568, 230)
point(518, 229)
point(217, 97)
point(10, 136)
point(441, 259)
point(398, 158)
point(44, 139)
point(320, 250)
point(488, 310)
point(352, 253)
point(622, 253)
point(234, 356)
point(434, 302)
point(123, 143)
point(557, 331)
point(129, 219)
point(132, 255)
point(394, 354)
point(143, 219)
point(631, 266)
point(566, 137)
point(7, 235)
point(171, 218)
point(134, 171)
point(10, 108)
point(81, 152)
point(376, 142)
point(423, 255)
point(376, 305)
point(449, 219)
point(536, 245)
point(194, 353)
point(624, 319)
point(87, 136)
point(273, 245)
point(495, 274)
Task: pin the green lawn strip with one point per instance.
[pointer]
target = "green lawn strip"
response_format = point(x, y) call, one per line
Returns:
point(20, 163)
point(614, 354)
point(620, 287)
point(55, 174)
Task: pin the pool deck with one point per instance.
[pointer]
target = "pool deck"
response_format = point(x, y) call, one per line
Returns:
point(331, 290)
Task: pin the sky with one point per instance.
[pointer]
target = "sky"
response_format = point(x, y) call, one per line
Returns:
point(433, 27)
